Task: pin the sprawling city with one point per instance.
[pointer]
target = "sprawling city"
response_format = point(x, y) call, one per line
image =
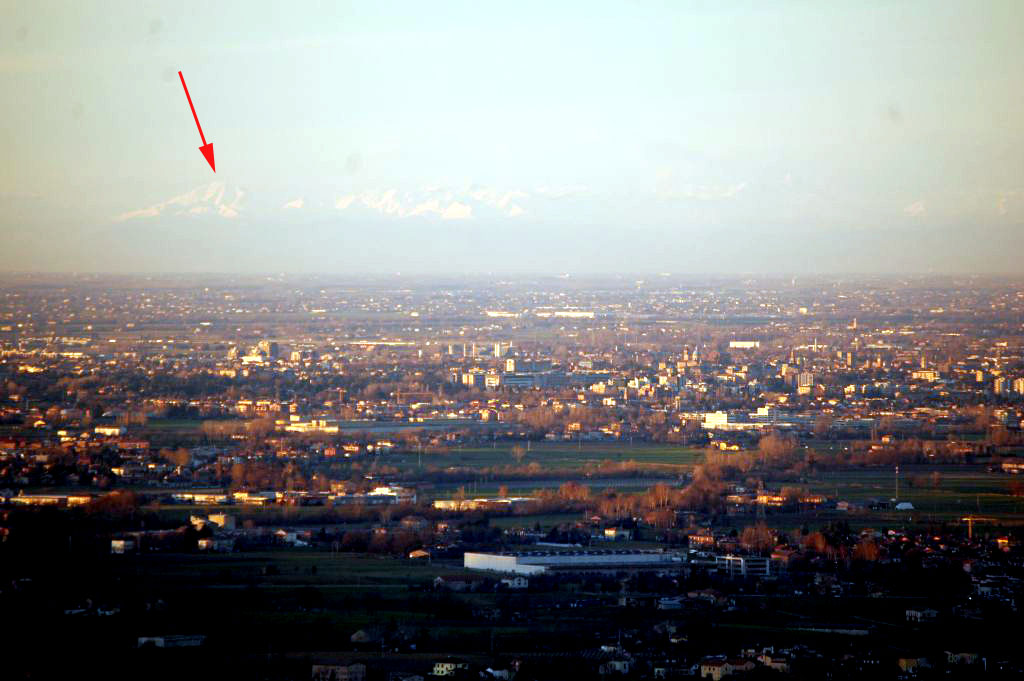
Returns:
point(512, 341)
point(536, 477)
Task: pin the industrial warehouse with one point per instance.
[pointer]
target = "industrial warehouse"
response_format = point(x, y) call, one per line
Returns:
point(538, 562)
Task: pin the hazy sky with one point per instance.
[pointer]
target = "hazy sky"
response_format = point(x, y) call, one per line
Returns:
point(552, 136)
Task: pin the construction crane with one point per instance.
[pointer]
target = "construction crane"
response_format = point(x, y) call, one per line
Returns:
point(970, 520)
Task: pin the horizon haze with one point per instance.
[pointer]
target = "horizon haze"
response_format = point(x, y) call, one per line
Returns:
point(873, 137)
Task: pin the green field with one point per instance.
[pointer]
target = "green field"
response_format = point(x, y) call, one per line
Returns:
point(954, 490)
point(560, 455)
point(286, 568)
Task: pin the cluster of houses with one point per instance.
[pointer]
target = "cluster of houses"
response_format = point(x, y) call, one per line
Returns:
point(215, 533)
point(339, 495)
point(627, 659)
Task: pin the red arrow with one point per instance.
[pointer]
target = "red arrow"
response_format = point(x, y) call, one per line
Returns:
point(207, 147)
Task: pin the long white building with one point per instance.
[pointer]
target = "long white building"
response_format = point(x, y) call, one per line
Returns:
point(538, 562)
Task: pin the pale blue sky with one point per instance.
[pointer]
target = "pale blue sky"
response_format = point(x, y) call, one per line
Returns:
point(670, 136)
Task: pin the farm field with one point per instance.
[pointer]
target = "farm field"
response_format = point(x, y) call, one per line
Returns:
point(940, 491)
point(674, 458)
point(290, 567)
